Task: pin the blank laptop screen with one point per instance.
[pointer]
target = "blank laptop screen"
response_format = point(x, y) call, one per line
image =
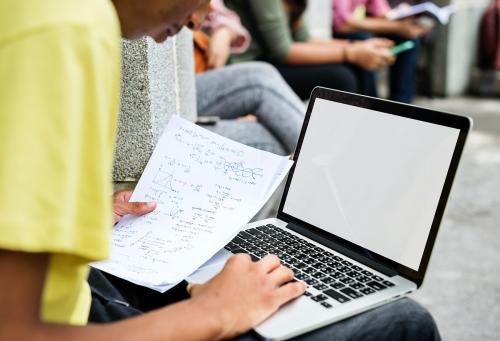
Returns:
point(371, 178)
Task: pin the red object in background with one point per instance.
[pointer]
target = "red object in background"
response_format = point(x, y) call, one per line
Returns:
point(490, 37)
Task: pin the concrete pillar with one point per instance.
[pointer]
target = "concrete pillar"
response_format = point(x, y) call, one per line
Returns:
point(158, 82)
point(455, 51)
point(319, 18)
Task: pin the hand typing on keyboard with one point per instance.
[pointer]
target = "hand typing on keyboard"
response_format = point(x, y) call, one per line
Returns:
point(333, 278)
point(245, 293)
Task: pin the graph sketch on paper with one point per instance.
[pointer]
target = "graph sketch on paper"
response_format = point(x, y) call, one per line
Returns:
point(206, 188)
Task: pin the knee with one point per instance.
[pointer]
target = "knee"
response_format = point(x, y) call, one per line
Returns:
point(413, 321)
point(341, 78)
point(351, 82)
point(261, 74)
point(262, 67)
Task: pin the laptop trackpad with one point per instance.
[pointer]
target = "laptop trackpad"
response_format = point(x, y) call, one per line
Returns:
point(211, 268)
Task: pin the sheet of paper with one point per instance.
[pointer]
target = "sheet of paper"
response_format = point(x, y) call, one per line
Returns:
point(206, 188)
point(442, 14)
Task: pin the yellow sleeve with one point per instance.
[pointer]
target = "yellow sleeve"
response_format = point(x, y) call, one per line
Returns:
point(58, 104)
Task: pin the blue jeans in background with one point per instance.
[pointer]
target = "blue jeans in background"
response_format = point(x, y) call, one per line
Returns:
point(401, 74)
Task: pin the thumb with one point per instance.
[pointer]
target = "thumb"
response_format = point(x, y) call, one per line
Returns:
point(382, 42)
point(137, 208)
point(192, 288)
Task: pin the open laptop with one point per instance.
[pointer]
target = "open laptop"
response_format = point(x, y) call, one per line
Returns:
point(361, 207)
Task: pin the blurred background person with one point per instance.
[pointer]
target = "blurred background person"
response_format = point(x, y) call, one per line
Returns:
point(279, 36)
point(221, 35)
point(364, 19)
point(234, 92)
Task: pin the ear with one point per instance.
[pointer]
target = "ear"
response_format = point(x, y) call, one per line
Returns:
point(196, 19)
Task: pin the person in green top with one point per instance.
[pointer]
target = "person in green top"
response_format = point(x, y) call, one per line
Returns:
point(280, 37)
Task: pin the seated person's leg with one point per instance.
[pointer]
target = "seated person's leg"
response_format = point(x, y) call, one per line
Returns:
point(402, 73)
point(252, 134)
point(367, 79)
point(252, 88)
point(304, 78)
point(401, 320)
point(354, 35)
point(115, 299)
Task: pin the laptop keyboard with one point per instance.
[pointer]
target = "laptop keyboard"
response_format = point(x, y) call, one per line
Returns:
point(334, 277)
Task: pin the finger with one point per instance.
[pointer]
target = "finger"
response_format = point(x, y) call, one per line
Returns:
point(269, 263)
point(387, 43)
point(238, 259)
point(222, 60)
point(192, 289)
point(219, 63)
point(122, 196)
point(387, 57)
point(117, 217)
point(281, 275)
point(126, 195)
point(290, 291)
point(383, 42)
point(137, 208)
point(211, 61)
point(376, 42)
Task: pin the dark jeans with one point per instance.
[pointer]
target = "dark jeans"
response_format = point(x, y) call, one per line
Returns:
point(114, 299)
point(304, 78)
point(401, 74)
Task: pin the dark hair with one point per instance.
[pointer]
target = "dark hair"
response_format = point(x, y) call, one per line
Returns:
point(296, 9)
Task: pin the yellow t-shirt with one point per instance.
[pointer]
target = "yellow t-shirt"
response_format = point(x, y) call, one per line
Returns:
point(59, 93)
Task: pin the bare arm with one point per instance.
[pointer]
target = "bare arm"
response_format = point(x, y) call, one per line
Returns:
point(373, 25)
point(219, 47)
point(370, 54)
point(21, 287)
point(243, 295)
point(314, 53)
point(407, 28)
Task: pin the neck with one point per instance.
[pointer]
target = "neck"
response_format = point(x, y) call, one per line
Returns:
point(128, 14)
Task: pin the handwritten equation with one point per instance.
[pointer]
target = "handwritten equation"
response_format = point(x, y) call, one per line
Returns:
point(205, 187)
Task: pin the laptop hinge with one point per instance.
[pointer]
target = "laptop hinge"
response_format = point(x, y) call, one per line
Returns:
point(343, 250)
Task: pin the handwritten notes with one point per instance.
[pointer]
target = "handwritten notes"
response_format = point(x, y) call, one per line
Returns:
point(206, 188)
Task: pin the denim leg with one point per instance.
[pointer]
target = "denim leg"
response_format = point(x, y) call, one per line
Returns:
point(304, 78)
point(401, 320)
point(402, 73)
point(252, 88)
point(367, 79)
point(250, 133)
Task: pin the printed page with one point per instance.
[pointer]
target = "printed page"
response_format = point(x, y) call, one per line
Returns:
point(441, 14)
point(206, 188)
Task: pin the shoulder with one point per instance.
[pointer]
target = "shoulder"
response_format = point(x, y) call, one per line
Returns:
point(245, 7)
point(20, 18)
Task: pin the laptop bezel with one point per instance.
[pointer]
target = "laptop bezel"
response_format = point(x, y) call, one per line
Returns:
point(403, 110)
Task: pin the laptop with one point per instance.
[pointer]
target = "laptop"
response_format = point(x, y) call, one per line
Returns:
point(361, 208)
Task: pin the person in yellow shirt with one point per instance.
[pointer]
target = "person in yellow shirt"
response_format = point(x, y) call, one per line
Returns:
point(59, 94)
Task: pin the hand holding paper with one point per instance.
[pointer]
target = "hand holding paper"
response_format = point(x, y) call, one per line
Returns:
point(206, 188)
